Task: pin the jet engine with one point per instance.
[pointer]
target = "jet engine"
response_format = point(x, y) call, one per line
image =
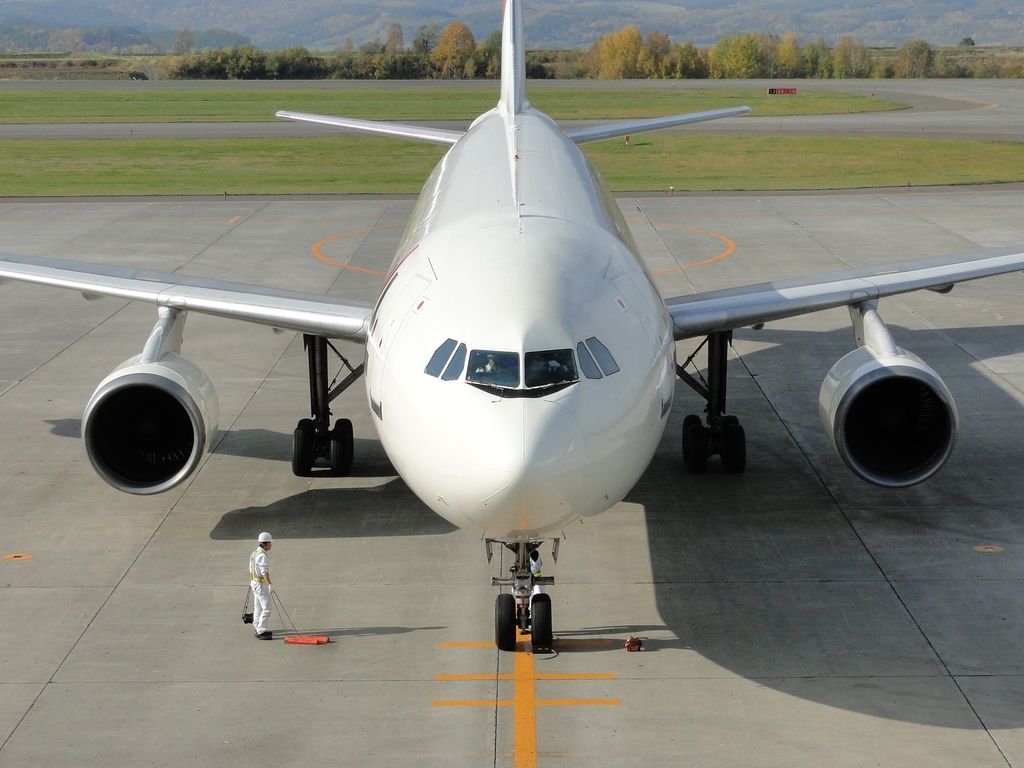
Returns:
point(149, 423)
point(889, 416)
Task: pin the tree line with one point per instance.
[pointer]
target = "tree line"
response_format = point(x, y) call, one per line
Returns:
point(453, 53)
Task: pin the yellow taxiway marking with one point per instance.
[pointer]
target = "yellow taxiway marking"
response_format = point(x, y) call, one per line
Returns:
point(730, 246)
point(318, 252)
point(526, 702)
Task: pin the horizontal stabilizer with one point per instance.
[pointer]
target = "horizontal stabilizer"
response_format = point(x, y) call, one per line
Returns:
point(411, 132)
point(618, 130)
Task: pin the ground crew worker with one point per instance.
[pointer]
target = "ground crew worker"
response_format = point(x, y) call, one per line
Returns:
point(536, 564)
point(262, 587)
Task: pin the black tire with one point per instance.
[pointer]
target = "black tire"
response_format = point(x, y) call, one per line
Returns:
point(540, 618)
point(505, 622)
point(688, 423)
point(303, 450)
point(695, 447)
point(340, 447)
point(734, 448)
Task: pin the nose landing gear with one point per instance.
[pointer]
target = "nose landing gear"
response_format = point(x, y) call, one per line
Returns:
point(526, 607)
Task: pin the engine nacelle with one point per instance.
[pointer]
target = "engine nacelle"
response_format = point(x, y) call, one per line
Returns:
point(890, 417)
point(148, 425)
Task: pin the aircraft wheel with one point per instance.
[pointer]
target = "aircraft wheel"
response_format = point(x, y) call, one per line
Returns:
point(303, 451)
point(688, 423)
point(695, 444)
point(341, 447)
point(540, 618)
point(734, 447)
point(505, 622)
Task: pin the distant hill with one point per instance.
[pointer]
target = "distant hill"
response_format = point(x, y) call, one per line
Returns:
point(321, 25)
point(26, 35)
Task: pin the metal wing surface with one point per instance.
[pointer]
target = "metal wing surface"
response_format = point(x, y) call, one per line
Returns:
point(617, 130)
point(288, 310)
point(411, 132)
point(703, 313)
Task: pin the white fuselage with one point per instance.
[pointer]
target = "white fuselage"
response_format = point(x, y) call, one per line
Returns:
point(516, 247)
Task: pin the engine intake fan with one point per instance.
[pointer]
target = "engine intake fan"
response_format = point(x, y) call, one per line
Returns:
point(890, 417)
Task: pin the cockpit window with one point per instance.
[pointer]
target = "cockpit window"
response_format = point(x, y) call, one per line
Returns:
point(440, 357)
point(551, 367)
point(587, 364)
point(603, 356)
point(499, 369)
point(455, 365)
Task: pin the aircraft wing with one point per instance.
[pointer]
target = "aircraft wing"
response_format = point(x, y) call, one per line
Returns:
point(617, 130)
point(704, 313)
point(289, 310)
point(412, 132)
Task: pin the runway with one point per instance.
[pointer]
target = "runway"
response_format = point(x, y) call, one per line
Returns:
point(791, 615)
point(977, 110)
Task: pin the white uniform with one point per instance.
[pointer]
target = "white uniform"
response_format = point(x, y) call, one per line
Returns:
point(259, 565)
point(535, 568)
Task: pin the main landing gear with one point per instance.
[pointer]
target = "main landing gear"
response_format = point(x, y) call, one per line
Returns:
point(314, 438)
point(524, 608)
point(722, 435)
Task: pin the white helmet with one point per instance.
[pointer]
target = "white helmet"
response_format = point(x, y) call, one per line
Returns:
point(266, 538)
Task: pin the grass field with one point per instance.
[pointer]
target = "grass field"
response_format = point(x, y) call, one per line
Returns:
point(381, 165)
point(250, 103)
point(350, 165)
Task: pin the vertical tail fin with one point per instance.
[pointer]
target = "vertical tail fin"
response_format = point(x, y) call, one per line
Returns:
point(513, 59)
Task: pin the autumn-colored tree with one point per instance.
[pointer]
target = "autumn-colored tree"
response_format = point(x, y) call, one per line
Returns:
point(914, 59)
point(790, 56)
point(736, 56)
point(455, 48)
point(686, 61)
point(850, 59)
point(768, 53)
point(396, 40)
point(621, 56)
point(660, 47)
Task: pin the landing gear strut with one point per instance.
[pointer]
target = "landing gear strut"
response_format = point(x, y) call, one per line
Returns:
point(313, 438)
point(722, 435)
point(523, 608)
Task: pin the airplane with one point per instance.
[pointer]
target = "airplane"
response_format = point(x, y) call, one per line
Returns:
point(519, 362)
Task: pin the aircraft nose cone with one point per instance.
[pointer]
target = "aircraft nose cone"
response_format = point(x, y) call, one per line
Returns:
point(522, 462)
